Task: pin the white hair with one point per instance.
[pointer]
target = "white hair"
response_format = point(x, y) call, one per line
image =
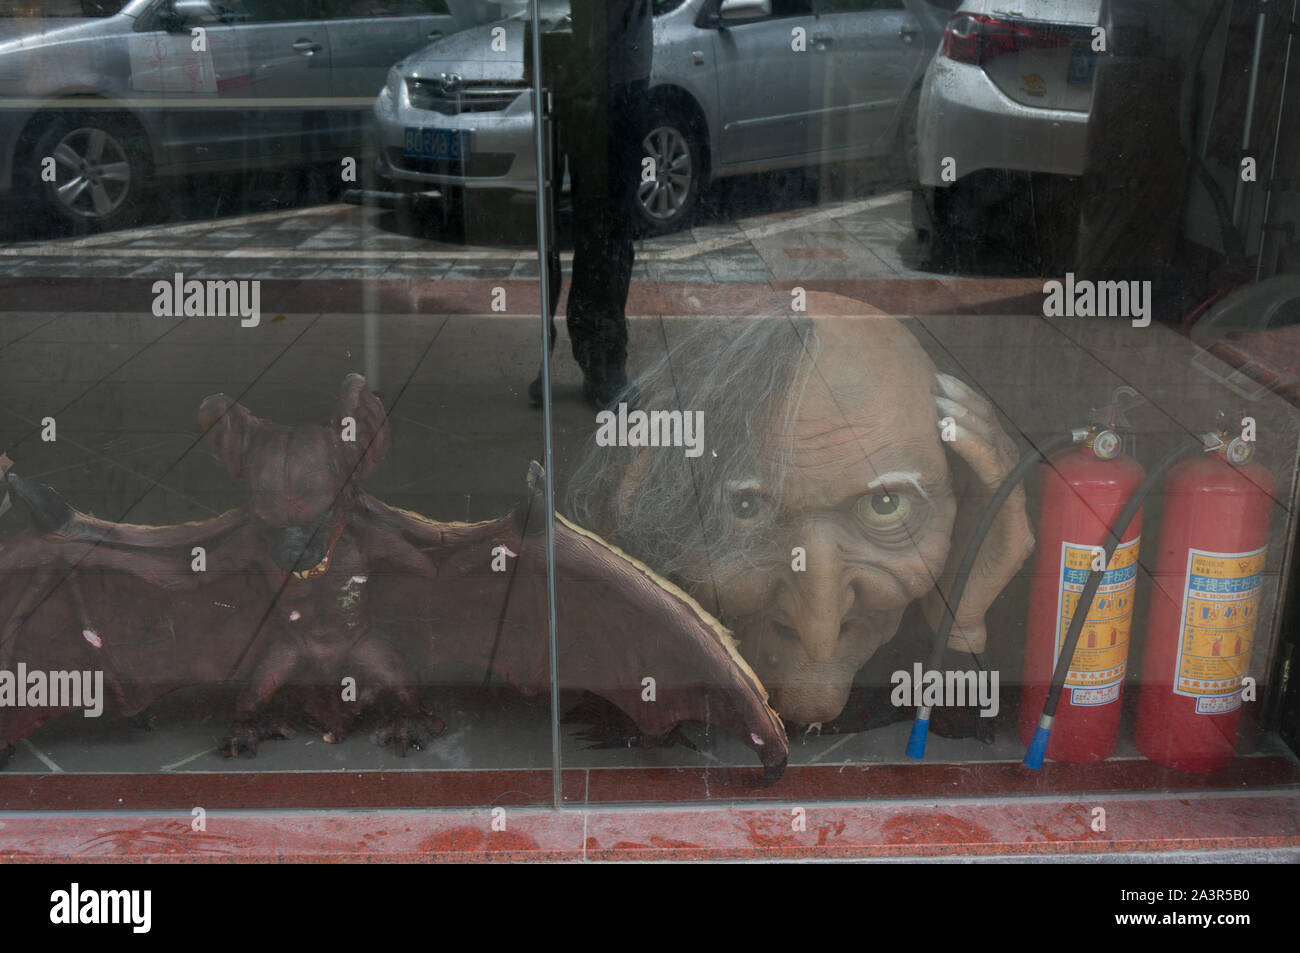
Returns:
point(748, 377)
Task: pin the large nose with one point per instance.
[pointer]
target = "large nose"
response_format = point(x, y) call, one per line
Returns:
point(818, 599)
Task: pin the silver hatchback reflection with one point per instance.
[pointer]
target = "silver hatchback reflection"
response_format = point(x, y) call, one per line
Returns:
point(738, 86)
point(99, 96)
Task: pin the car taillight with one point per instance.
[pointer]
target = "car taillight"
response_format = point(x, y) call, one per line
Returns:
point(976, 39)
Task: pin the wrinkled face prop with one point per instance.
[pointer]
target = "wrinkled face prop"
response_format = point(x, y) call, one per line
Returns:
point(823, 503)
point(865, 521)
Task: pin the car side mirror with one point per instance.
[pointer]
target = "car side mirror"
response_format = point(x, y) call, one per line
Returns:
point(745, 9)
point(179, 15)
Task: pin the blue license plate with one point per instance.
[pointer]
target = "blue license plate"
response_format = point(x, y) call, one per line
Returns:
point(450, 144)
point(1082, 63)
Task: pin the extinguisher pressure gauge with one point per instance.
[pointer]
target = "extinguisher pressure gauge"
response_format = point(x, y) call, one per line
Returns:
point(1238, 451)
point(1106, 445)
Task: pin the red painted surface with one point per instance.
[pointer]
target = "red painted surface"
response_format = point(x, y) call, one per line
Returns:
point(784, 830)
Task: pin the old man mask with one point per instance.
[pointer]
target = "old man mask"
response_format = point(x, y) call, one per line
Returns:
point(825, 501)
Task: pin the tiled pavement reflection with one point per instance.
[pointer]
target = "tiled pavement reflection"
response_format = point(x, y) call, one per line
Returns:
point(859, 238)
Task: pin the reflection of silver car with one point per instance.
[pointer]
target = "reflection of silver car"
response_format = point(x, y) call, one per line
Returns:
point(738, 86)
point(1007, 91)
point(96, 96)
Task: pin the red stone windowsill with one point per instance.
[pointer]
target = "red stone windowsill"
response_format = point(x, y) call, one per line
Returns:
point(966, 829)
point(881, 811)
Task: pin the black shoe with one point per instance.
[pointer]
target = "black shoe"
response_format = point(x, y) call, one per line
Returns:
point(535, 396)
point(608, 392)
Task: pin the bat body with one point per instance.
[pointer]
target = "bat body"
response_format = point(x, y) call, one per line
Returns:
point(317, 593)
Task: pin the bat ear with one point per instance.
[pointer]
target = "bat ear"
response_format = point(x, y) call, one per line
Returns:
point(227, 430)
point(363, 425)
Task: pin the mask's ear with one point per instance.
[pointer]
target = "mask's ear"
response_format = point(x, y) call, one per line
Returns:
point(362, 426)
point(227, 429)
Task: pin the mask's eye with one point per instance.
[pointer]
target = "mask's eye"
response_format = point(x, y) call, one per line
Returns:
point(747, 505)
point(885, 510)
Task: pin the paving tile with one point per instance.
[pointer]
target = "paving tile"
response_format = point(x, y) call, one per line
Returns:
point(166, 267)
point(430, 269)
point(353, 271)
point(678, 271)
point(479, 271)
point(114, 327)
point(47, 360)
point(330, 241)
point(526, 268)
point(15, 327)
point(46, 267)
point(169, 362)
point(725, 271)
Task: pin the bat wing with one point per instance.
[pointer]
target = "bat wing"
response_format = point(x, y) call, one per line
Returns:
point(624, 633)
point(80, 595)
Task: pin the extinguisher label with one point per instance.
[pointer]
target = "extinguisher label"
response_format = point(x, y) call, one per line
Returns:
point(1220, 606)
point(1101, 656)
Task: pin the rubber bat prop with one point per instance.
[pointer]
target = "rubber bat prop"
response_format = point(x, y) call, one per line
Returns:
point(314, 581)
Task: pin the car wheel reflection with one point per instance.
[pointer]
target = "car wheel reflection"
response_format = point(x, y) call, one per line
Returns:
point(98, 170)
point(666, 201)
point(93, 174)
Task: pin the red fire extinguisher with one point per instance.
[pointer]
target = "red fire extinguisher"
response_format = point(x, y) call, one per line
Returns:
point(1083, 491)
point(1204, 607)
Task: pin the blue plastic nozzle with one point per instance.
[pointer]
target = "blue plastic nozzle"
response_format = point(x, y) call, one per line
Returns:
point(916, 741)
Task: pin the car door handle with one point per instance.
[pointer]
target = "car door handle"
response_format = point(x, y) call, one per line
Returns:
point(821, 39)
point(307, 47)
point(434, 35)
point(908, 34)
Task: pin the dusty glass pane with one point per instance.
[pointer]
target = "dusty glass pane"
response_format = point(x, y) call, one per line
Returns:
point(890, 257)
point(271, 306)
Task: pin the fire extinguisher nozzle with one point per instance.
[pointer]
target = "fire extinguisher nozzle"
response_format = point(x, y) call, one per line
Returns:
point(1037, 749)
point(920, 731)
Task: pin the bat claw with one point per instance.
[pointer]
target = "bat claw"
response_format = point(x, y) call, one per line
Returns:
point(246, 735)
point(409, 732)
point(605, 725)
point(774, 772)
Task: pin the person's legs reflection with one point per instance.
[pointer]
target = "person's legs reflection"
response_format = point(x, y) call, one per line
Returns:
point(600, 124)
point(603, 176)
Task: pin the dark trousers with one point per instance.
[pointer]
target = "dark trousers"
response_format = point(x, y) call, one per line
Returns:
point(601, 135)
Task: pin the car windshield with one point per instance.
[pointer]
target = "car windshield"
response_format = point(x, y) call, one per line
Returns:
point(60, 8)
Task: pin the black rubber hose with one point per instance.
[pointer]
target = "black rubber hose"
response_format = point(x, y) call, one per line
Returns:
point(920, 724)
point(1038, 746)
